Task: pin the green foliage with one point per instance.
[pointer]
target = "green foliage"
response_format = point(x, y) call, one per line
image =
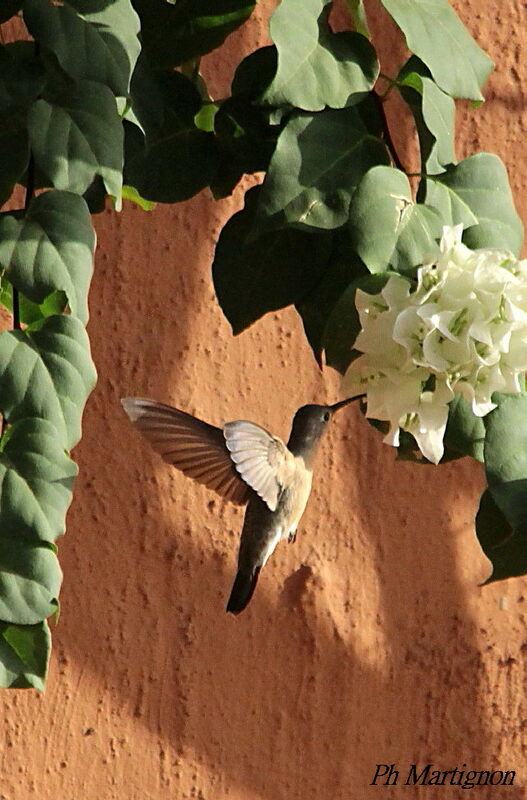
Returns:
point(317, 68)
point(318, 161)
point(501, 523)
point(108, 101)
point(436, 35)
point(479, 184)
point(174, 33)
point(280, 271)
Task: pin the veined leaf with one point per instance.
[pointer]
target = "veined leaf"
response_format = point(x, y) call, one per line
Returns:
point(79, 137)
point(479, 184)
point(175, 33)
point(30, 579)
point(386, 227)
point(318, 161)
point(437, 36)
point(47, 372)
point(36, 481)
point(49, 249)
point(317, 68)
point(278, 269)
point(176, 159)
point(434, 113)
point(98, 45)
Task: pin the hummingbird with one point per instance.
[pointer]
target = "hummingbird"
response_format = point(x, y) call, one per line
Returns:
point(246, 465)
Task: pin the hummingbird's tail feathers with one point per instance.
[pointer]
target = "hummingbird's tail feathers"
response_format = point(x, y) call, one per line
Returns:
point(242, 590)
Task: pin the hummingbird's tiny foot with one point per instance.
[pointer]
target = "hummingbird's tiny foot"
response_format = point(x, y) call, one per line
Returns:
point(292, 537)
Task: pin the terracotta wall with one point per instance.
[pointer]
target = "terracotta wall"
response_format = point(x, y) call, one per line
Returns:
point(367, 641)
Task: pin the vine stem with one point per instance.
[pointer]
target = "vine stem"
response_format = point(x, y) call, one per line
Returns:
point(30, 189)
point(387, 135)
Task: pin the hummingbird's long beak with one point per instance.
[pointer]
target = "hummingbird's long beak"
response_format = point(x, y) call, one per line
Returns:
point(343, 403)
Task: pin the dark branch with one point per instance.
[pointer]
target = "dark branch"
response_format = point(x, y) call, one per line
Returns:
point(387, 135)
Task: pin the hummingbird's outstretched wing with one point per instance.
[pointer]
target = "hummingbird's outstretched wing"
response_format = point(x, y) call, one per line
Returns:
point(193, 446)
point(263, 460)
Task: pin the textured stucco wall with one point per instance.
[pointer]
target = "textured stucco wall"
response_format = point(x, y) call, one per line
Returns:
point(367, 641)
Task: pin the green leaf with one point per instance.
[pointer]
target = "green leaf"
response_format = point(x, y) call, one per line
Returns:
point(434, 113)
point(254, 74)
point(78, 137)
point(101, 45)
point(176, 160)
point(436, 35)
point(22, 76)
point(47, 372)
point(54, 303)
point(173, 34)
point(246, 142)
point(465, 433)
point(14, 141)
point(131, 194)
point(479, 184)
point(30, 579)
point(318, 161)
point(343, 324)
point(278, 269)
point(36, 481)
point(386, 227)
point(504, 547)
point(317, 68)
point(50, 249)
point(24, 655)
point(416, 244)
point(358, 16)
point(316, 306)
point(502, 519)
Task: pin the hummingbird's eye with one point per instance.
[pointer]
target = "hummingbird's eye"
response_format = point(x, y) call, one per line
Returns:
point(327, 415)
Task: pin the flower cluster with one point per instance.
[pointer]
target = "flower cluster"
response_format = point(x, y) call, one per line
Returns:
point(461, 330)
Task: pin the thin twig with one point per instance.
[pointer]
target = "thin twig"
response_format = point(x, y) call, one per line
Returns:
point(387, 135)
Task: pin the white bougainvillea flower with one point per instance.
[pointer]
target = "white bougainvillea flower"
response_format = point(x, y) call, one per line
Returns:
point(462, 329)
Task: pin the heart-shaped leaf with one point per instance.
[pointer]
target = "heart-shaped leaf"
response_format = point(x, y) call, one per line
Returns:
point(36, 481)
point(318, 161)
point(386, 227)
point(317, 68)
point(278, 269)
point(436, 35)
point(479, 184)
point(47, 372)
point(100, 45)
point(176, 159)
point(50, 248)
point(30, 579)
point(79, 137)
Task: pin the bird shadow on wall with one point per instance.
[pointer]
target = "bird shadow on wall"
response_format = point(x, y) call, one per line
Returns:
point(279, 699)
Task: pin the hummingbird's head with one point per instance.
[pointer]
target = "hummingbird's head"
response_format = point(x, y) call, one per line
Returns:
point(309, 424)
